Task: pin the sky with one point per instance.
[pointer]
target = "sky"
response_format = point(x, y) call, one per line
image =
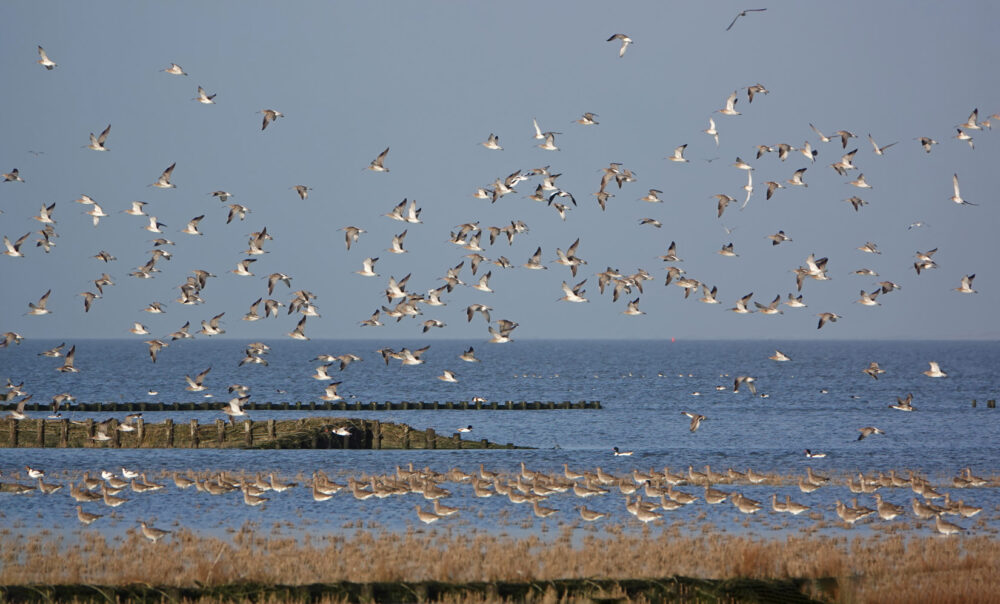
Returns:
point(431, 81)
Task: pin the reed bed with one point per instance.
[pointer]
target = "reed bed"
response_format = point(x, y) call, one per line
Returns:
point(881, 568)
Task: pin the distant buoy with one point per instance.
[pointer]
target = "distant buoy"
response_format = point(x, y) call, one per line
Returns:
point(672, 340)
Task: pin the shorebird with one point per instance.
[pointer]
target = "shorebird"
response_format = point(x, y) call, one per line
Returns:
point(39, 308)
point(754, 89)
point(192, 226)
point(742, 305)
point(957, 197)
point(730, 108)
point(743, 13)
point(447, 376)
point(163, 182)
point(745, 379)
point(868, 299)
point(633, 308)
point(874, 370)
point(935, 371)
point(234, 408)
point(944, 527)
point(427, 517)
point(575, 294)
point(377, 164)
point(796, 178)
point(493, 143)
point(97, 142)
point(621, 51)
point(826, 316)
point(727, 250)
point(549, 144)
point(45, 61)
point(678, 154)
point(779, 356)
point(696, 419)
point(903, 404)
point(175, 69)
point(966, 287)
point(868, 431)
point(12, 176)
point(878, 150)
point(86, 517)
point(712, 131)
point(270, 115)
point(778, 238)
point(204, 98)
point(196, 384)
point(299, 332)
point(14, 249)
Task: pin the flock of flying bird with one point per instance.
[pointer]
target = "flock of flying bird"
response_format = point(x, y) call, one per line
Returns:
point(403, 304)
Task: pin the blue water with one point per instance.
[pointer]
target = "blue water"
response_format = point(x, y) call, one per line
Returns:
point(818, 400)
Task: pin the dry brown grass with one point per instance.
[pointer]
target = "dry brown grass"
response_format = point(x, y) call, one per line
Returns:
point(879, 568)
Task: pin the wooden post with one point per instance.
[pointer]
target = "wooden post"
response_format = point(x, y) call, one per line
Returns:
point(271, 432)
point(484, 444)
point(168, 427)
point(377, 435)
point(194, 433)
point(41, 433)
point(220, 432)
point(13, 432)
point(973, 403)
point(248, 432)
point(64, 432)
point(430, 439)
point(116, 434)
point(457, 437)
point(89, 427)
point(140, 432)
point(991, 403)
point(406, 436)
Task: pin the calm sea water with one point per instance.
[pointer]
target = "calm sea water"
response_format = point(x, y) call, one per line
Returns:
point(818, 400)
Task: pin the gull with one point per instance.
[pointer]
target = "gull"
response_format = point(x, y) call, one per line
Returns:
point(397, 244)
point(678, 154)
point(163, 182)
point(469, 356)
point(12, 176)
point(588, 119)
point(878, 150)
point(711, 131)
point(652, 196)
point(903, 404)
point(827, 316)
point(868, 431)
point(633, 308)
point(550, 142)
point(935, 371)
point(651, 221)
point(175, 69)
point(966, 287)
point(368, 267)
point(330, 394)
point(779, 356)
point(493, 143)
point(796, 178)
point(299, 332)
point(926, 143)
point(192, 226)
point(575, 294)
point(97, 143)
point(447, 376)
point(873, 370)
point(14, 249)
point(37, 309)
point(621, 51)
point(957, 197)
point(377, 164)
point(67, 366)
point(203, 97)
point(741, 305)
point(270, 115)
point(743, 13)
point(302, 191)
point(696, 419)
point(729, 109)
point(45, 61)
point(860, 182)
point(243, 268)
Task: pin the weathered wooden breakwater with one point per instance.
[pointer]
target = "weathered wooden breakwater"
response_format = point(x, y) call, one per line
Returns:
point(305, 433)
point(134, 406)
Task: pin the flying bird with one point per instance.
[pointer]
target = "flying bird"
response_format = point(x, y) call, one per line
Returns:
point(204, 98)
point(377, 164)
point(97, 143)
point(743, 13)
point(621, 51)
point(163, 182)
point(270, 115)
point(45, 61)
point(696, 419)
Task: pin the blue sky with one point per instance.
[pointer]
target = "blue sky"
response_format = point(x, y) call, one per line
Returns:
point(431, 81)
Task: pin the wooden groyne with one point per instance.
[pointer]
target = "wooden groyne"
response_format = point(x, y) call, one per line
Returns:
point(311, 433)
point(134, 406)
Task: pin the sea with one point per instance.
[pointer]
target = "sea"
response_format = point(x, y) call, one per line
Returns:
point(818, 400)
